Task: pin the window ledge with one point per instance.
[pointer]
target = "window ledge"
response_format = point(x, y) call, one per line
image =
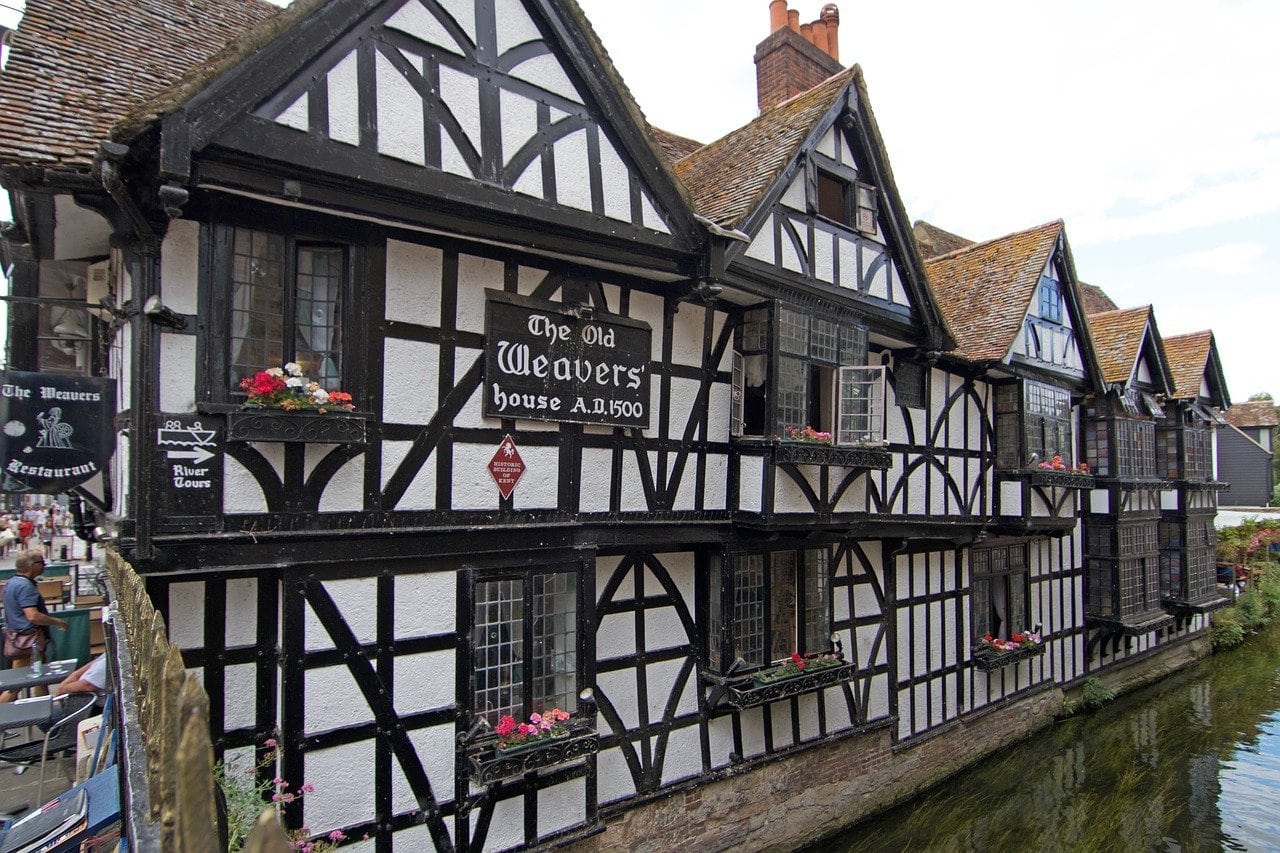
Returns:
point(486, 764)
point(1182, 607)
point(1039, 477)
point(812, 453)
point(991, 660)
point(301, 427)
point(742, 692)
point(1131, 626)
point(1133, 483)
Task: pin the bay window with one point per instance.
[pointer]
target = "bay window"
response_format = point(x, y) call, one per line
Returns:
point(1122, 568)
point(1033, 424)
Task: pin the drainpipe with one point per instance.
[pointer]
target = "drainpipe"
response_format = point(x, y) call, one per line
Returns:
point(142, 254)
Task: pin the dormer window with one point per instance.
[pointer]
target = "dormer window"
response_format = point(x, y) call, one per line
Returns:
point(1050, 300)
point(850, 203)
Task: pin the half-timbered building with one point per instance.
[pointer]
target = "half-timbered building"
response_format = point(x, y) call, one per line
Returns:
point(634, 421)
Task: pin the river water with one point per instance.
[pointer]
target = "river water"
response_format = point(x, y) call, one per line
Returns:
point(1191, 763)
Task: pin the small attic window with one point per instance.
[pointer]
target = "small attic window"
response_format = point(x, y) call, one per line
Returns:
point(850, 203)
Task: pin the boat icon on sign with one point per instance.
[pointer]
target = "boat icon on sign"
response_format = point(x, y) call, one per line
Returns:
point(193, 438)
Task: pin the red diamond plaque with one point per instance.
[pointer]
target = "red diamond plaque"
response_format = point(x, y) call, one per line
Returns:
point(506, 467)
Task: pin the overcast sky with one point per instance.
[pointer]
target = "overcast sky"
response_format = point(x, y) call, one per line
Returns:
point(1151, 128)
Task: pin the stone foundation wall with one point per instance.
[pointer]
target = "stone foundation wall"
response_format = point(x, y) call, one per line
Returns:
point(1130, 674)
point(800, 799)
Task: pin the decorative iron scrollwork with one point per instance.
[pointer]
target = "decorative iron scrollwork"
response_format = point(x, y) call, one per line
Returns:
point(742, 693)
point(486, 764)
point(811, 453)
point(989, 661)
point(304, 427)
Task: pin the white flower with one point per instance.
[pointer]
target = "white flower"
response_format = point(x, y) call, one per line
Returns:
point(295, 382)
point(313, 386)
point(320, 397)
point(274, 371)
point(293, 368)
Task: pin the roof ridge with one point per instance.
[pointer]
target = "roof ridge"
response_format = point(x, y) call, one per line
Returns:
point(983, 243)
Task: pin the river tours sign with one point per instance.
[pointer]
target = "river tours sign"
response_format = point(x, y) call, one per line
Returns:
point(55, 431)
point(548, 361)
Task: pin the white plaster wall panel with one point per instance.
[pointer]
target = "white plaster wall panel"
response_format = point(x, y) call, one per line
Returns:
point(687, 492)
point(938, 494)
point(595, 484)
point(474, 275)
point(1168, 499)
point(780, 724)
point(619, 687)
point(648, 309)
point(827, 144)
point(1010, 498)
point(539, 485)
point(400, 114)
point(683, 756)
point(900, 296)
point(762, 247)
point(333, 699)
point(546, 72)
point(979, 695)
point(616, 637)
point(343, 780)
point(410, 381)
point(854, 498)
point(413, 283)
point(177, 373)
point(240, 491)
point(573, 171)
point(186, 615)
point(240, 696)
point(715, 494)
point(562, 806)
point(650, 217)
point(848, 253)
point(613, 776)
point(463, 13)
point(633, 497)
point(344, 101)
point(865, 637)
point(824, 264)
point(345, 492)
point(684, 393)
point(615, 181)
point(506, 829)
point(846, 155)
point(605, 567)
point(529, 182)
point(807, 715)
point(663, 628)
point(790, 252)
point(473, 486)
point(661, 681)
point(423, 681)
point(794, 195)
point(515, 27)
point(461, 96)
point(877, 283)
point(681, 569)
point(895, 424)
point(864, 600)
point(180, 266)
point(1038, 507)
point(921, 420)
point(903, 643)
point(936, 714)
point(878, 701)
point(519, 124)
point(413, 19)
point(920, 659)
point(787, 496)
point(839, 606)
point(242, 610)
point(916, 495)
point(421, 493)
point(472, 413)
point(752, 724)
point(920, 700)
point(435, 748)
point(1099, 501)
point(357, 601)
point(686, 335)
point(751, 479)
point(837, 708)
point(425, 604)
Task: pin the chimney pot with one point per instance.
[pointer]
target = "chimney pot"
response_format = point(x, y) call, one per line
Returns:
point(806, 30)
point(820, 35)
point(793, 19)
point(831, 17)
point(777, 15)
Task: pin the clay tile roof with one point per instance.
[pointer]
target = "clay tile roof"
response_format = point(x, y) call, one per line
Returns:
point(1188, 357)
point(1260, 413)
point(674, 147)
point(1095, 299)
point(984, 289)
point(727, 178)
point(933, 241)
point(78, 65)
point(1117, 341)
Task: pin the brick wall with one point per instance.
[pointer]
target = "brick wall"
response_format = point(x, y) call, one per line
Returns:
point(786, 65)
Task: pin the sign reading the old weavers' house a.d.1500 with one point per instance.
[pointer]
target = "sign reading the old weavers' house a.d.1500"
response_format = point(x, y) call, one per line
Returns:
point(55, 431)
point(553, 362)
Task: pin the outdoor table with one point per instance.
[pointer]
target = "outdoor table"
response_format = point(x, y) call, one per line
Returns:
point(25, 712)
point(24, 678)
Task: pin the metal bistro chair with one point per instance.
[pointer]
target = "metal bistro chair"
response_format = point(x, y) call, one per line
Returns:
point(58, 739)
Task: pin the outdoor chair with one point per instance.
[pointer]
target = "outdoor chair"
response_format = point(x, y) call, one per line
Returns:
point(59, 739)
point(53, 592)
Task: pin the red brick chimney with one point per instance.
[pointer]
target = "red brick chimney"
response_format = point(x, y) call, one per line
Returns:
point(796, 57)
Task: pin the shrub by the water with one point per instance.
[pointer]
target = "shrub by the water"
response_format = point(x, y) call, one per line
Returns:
point(1227, 630)
point(1094, 693)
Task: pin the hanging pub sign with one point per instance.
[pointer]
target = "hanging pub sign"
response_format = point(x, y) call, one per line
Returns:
point(55, 431)
point(548, 361)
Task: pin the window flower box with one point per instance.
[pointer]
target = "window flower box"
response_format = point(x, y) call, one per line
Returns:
point(815, 453)
point(1062, 479)
point(992, 654)
point(750, 691)
point(488, 763)
point(305, 427)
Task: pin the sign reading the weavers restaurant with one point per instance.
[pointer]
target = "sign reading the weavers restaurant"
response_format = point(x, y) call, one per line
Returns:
point(553, 362)
point(55, 431)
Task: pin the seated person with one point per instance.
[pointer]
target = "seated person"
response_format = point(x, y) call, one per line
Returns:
point(90, 678)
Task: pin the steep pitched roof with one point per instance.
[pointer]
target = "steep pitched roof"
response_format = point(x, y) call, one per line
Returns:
point(984, 290)
point(674, 146)
point(1095, 299)
point(1252, 415)
point(1188, 357)
point(1117, 339)
point(106, 57)
point(933, 241)
point(727, 178)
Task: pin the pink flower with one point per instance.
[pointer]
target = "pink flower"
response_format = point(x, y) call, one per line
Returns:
point(536, 719)
point(308, 788)
point(337, 836)
point(506, 725)
point(270, 743)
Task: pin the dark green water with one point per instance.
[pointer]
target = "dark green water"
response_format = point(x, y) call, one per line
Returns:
point(1192, 763)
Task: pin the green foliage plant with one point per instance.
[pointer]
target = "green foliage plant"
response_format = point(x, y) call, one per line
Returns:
point(1094, 693)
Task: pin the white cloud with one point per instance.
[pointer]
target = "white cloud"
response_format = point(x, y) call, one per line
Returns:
point(1227, 259)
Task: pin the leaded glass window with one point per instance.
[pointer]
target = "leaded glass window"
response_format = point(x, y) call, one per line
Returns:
point(1033, 424)
point(1000, 591)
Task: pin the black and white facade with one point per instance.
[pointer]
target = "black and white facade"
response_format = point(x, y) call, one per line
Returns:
point(452, 210)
